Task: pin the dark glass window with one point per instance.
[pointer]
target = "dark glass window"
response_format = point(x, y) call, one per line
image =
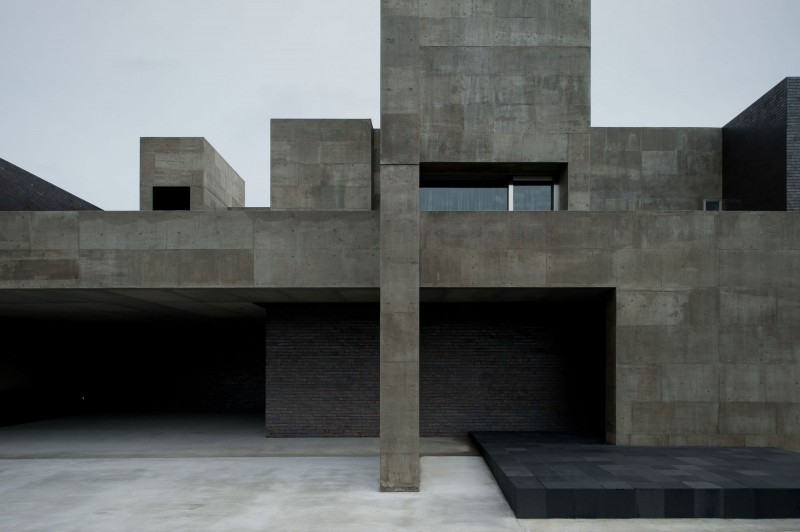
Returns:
point(489, 186)
point(533, 196)
point(171, 199)
point(485, 198)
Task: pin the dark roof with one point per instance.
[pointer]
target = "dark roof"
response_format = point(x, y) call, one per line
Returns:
point(22, 191)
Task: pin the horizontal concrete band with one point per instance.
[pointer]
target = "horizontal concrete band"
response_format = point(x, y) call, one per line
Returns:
point(753, 256)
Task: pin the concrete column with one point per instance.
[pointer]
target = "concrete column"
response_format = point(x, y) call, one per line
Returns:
point(399, 328)
point(399, 234)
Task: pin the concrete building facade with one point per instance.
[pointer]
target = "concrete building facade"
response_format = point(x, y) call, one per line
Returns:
point(640, 283)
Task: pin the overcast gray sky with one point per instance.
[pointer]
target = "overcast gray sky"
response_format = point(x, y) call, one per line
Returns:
point(82, 80)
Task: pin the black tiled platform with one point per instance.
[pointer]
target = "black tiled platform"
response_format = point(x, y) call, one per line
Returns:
point(545, 475)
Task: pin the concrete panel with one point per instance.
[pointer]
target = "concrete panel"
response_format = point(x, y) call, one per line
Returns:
point(579, 267)
point(651, 418)
point(400, 139)
point(747, 418)
point(525, 268)
point(638, 268)
point(655, 168)
point(231, 230)
point(754, 268)
point(690, 383)
point(53, 230)
point(677, 231)
point(689, 268)
point(652, 308)
point(759, 230)
point(782, 383)
point(321, 165)
point(666, 344)
point(589, 230)
point(122, 230)
point(757, 345)
point(639, 383)
point(110, 268)
point(15, 230)
point(789, 415)
point(694, 418)
point(742, 383)
point(747, 307)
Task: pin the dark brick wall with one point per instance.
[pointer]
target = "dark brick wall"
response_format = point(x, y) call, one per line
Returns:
point(492, 366)
point(754, 152)
point(793, 144)
point(22, 191)
point(504, 366)
point(322, 370)
point(51, 369)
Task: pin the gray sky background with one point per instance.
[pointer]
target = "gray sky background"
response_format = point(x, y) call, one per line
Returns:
point(82, 80)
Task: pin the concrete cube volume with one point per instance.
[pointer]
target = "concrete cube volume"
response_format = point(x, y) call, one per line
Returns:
point(486, 261)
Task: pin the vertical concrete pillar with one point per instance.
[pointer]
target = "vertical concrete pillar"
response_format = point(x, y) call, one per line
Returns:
point(399, 259)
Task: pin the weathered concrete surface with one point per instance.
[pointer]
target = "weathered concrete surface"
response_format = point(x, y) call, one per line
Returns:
point(188, 162)
point(321, 165)
point(159, 249)
point(141, 474)
point(399, 245)
point(309, 493)
point(654, 168)
point(503, 81)
point(399, 328)
point(707, 309)
point(228, 435)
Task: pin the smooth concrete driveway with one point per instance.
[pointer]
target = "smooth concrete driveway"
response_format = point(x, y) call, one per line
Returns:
point(105, 474)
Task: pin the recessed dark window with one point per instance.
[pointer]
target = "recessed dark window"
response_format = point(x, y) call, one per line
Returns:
point(712, 205)
point(489, 186)
point(171, 199)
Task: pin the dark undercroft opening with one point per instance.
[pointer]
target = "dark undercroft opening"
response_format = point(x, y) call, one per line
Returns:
point(502, 366)
point(528, 366)
point(60, 368)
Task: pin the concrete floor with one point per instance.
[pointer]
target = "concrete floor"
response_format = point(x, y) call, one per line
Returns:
point(219, 473)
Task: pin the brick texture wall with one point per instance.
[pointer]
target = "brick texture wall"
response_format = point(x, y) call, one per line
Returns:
point(754, 155)
point(22, 191)
point(503, 366)
point(322, 370)
point(793, 144)
point(482, 367)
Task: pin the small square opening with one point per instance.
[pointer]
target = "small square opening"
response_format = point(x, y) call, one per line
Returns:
point(171, 199)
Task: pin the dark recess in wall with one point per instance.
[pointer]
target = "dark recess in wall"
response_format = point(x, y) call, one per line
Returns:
point(512, 366)
point(52, 369)
point(483, 366)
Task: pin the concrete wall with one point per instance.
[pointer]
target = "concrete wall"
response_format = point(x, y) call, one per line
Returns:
point(755, 155)
point(654, 168)
point(23, 191)
point(321, 165)
point(706, 309)
point(188, 162)
point(161, 249)
point(502, 81)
